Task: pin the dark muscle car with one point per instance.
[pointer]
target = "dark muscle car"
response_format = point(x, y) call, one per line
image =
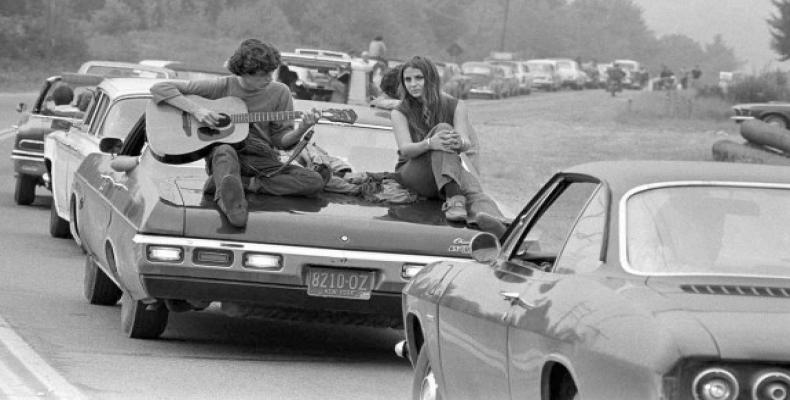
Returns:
point(154, 239)
point(774, 113)
point(34, 125)
point(618, 280)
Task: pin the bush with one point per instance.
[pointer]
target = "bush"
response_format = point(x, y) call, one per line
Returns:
point(769, 86)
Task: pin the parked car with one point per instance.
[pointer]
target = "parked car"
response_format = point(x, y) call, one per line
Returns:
point(188, 71)
point(117, 105)
point(521, 72)
point(153, 237)
point(454, 82)
point(512, 87)
point(323, 53)
point(774, 113)
point(315, 73)
point(570, 73)
point(544, 74)
point(117, 69)
point(618, 280)
point(632, 79)
point(33, 125)
point(486, 79)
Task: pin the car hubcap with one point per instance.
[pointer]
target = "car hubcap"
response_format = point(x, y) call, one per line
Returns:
point(428, 388)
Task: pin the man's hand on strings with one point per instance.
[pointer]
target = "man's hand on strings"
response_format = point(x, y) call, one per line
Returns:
point(207, 117)
point(309, 119)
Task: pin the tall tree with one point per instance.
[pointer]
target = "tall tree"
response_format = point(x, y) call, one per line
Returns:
point(780, 29)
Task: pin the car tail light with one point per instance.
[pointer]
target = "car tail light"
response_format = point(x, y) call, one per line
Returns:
point(165, 253)
point(262, 261)
point(715, 384)
point(213, 257)
point(409, 270)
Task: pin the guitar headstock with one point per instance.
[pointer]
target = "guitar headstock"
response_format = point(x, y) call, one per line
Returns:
point(347, 116)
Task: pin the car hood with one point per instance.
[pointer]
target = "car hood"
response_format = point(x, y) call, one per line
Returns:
point(331, 221)
point(762, 105)
point(742, 325)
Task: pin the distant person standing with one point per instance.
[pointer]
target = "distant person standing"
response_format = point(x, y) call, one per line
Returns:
point(696, 74)
point(377, 48)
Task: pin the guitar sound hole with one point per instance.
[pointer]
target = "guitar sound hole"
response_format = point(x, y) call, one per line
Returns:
point(224, 121)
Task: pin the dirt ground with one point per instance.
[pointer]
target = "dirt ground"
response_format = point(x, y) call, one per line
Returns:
point(526, 139)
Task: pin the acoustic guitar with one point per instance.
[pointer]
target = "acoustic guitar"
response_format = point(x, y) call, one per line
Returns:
point(176, 137)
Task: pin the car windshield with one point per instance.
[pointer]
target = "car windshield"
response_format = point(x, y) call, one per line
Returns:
point(477, 69)
point(123, 72)
point(539, 67)
point(718, 230)
point(122, 116)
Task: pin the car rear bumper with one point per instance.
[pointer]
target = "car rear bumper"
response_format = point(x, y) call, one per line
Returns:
point(28, 162)
point(740, 118)
point(284, 285)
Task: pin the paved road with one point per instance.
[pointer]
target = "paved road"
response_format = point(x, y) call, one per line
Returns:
point(53, 344)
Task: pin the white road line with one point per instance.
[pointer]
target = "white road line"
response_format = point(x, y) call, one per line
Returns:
point(6, 133)
point(11, 386)
point(57, 385)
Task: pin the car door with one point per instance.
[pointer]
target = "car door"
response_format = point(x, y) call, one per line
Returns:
point(68, 152)
point(564, 232)
point(473, 331)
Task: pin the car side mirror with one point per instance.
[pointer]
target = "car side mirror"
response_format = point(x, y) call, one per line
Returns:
point(124, 163)
point(485, 247)
point(21, 107)
point(110, 145)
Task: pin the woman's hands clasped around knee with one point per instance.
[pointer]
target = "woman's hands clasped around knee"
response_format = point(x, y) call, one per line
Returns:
point(446, 140)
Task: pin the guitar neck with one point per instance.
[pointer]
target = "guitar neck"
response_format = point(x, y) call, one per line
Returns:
point(265, 116)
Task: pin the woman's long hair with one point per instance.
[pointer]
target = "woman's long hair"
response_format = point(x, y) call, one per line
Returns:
point(428, 108)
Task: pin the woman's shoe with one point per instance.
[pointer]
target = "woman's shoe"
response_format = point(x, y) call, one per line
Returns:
point(455, 209)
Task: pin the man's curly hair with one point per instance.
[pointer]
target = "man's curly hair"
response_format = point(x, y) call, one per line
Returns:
point(390, 82)
point(254, 56)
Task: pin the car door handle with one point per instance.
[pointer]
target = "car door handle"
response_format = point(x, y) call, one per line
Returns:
point(107, 179)
point(515, 299)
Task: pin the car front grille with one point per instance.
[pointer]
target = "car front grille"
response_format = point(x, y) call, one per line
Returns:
point(733, 290)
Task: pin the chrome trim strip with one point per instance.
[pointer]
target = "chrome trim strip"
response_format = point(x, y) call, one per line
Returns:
point(143, 239)
point(623, 250)
point(28, 153)
point(32, 141)
point(27, 158)
point(740, 117)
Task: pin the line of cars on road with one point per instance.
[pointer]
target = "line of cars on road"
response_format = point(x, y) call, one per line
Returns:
point(656, 280)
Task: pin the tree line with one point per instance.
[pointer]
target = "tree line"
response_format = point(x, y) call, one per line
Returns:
point(205, 31)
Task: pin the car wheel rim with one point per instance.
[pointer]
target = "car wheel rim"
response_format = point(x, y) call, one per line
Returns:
point(428, 388)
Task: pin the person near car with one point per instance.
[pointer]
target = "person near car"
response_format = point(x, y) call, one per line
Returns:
point(339, 86)
point(61, 99)
point(432, 132)
point(257, 156)
point(377, 49)
point(696, 74)
point(389, 99)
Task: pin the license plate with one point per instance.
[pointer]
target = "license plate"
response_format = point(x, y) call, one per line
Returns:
point(342, 283)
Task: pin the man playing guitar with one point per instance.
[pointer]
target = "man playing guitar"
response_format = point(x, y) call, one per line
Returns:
point(252, 65)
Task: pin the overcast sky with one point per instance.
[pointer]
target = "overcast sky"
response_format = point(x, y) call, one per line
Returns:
point(741, 23)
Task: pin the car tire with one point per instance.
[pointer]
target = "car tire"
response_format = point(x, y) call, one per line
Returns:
point(58, 227)
point(97, 287)
point(140, 320)
point(25, 191)
point(567, 389)
point(424, 384)
point(776, 120)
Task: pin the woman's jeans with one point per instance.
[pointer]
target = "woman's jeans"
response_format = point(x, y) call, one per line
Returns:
point(429, 172)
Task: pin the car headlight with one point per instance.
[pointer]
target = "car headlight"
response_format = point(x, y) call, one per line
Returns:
point(715, 384)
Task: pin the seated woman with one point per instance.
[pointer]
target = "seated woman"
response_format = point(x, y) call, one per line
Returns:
point(432, 131)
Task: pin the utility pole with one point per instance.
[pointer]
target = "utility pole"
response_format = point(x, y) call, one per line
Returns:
point(504, 26)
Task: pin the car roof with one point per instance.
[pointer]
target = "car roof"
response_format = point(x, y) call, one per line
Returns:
point(128, 86)
point(121, 64)
point(181, 66)
point(622, 176)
